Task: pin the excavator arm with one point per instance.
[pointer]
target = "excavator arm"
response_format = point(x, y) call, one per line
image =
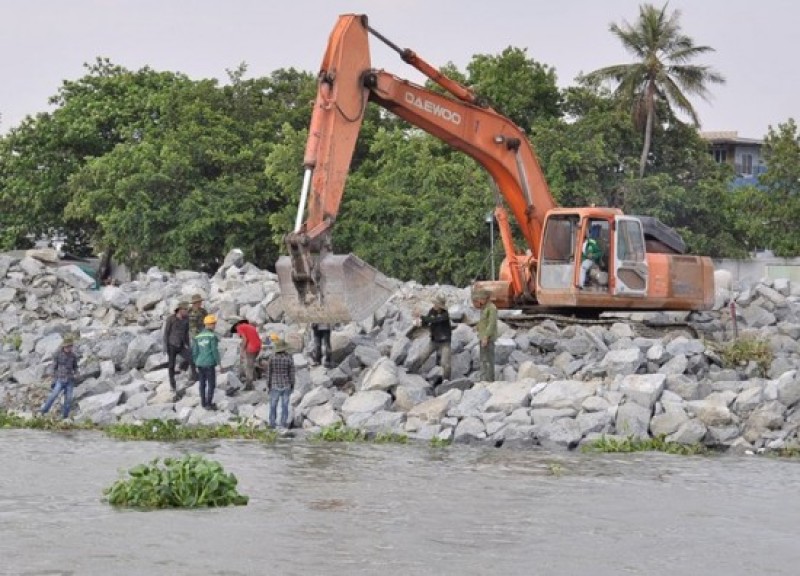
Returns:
point(319, 286)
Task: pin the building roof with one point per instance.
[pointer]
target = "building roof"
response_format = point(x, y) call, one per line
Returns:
point(728, 137)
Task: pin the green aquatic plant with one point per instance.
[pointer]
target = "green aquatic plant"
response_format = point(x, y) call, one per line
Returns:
point(437, 442)
point(390, 438)
point(338, 432)
point(555, 469)
point(788, 452)
point(11, 420)
point(633, 444)
point(188, 482)
point(170, 430)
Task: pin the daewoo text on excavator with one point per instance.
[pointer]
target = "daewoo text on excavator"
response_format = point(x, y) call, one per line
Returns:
point(643, 265)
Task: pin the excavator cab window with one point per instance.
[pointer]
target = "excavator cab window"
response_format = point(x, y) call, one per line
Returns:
point(560, 249)
point(630, 265)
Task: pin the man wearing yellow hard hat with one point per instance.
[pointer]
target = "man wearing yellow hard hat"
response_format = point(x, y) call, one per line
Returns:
point(205, 353)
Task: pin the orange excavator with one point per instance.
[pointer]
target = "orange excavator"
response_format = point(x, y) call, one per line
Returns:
point(638, 262)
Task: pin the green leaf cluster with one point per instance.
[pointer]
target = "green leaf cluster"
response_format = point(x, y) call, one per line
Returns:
point(188, 482)
point(170, 430)
point(11, 420)
point(338, 432)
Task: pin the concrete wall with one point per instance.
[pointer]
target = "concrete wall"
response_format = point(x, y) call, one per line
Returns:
point(747, 272)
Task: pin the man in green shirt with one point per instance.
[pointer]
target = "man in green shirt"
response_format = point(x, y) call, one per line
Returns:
point(487, 332)
point(205, 353)
point(591, 255)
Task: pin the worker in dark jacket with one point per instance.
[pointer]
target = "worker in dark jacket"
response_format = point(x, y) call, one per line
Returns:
point(177, 342)
point(438, 322)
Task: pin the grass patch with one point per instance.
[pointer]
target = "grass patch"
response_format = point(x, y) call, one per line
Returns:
point(14, 339)
point(9, 420)
point(170, 430)
point(747, 349)
point(607, 444)
point(188, 482)
point(158, 430)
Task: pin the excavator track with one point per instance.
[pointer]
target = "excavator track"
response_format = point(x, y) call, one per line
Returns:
point(646, 328)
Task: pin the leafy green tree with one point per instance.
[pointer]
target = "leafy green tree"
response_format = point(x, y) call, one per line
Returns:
point(661, 79)
point(415, 210)
point(520, 88)
point(107, 107)
point(771, 210)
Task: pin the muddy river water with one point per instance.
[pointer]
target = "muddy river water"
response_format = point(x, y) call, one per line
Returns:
point(322, 508)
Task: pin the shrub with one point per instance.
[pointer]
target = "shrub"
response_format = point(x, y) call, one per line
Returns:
point(748, 349)
point(189, 482)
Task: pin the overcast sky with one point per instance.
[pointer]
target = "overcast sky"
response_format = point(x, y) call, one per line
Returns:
point(43, 42)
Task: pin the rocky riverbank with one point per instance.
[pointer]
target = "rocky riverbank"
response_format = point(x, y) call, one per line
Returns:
point(560, 385)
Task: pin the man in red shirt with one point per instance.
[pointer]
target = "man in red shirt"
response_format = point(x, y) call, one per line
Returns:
point(249, 350)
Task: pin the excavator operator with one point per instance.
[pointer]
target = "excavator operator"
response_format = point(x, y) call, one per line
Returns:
point(591, 254)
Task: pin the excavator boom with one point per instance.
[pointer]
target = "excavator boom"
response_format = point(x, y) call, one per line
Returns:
point(315, 285)
point(319, 286)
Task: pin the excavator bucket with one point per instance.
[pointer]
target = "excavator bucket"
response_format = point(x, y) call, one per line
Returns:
point(349, 290)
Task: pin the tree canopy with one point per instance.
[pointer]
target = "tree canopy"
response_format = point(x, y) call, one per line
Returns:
point(661, 79)
point(160, 169)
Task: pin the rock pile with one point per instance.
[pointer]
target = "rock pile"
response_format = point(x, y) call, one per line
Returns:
point(560, 384)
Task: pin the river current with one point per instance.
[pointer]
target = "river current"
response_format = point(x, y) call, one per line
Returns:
point(322, 508)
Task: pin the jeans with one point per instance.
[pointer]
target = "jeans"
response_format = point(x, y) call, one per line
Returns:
point(282, 395)
point(208, 381)
point(487, 362)
point(67, 387)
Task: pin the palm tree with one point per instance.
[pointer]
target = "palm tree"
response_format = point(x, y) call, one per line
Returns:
point(662, 74)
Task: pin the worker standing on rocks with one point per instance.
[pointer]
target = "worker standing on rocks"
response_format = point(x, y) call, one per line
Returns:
point(177, 343)
point(205, 352)
point(487, 332)
point(196, 315)
point(322, 344)
point(249, 348)
point(65, 367)
point(438, 322)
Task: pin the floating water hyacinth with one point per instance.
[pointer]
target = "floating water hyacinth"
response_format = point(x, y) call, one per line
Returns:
point(188, 482)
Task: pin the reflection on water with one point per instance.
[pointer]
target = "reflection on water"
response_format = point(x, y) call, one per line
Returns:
point(320, 508)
